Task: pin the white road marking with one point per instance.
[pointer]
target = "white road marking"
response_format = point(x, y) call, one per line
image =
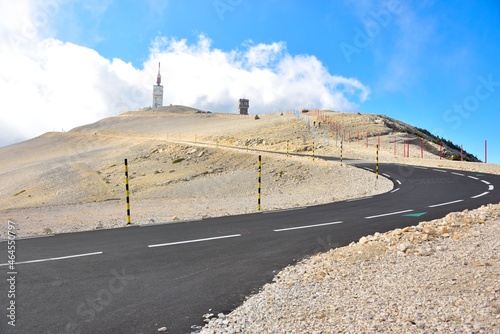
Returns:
point(306, 226)
point(386, 175)
point(472, 177)
point(195, 240)
point(459, 174)
point(439, 170)
point(485, 182)
point(399, 182)
point(491, 187)
point(395, 190)
point(420, 167)
point(359, 199)
point(447, 203)
point(54, 258)
point(485, 193)
point(371, 170)
point(388, 214)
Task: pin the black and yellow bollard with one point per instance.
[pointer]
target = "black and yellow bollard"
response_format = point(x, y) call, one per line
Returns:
point(259, 182)
point(313, 151)
point(341, 149)
point(127, 192)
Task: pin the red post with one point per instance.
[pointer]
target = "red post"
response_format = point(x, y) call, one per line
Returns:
point(359, 137)
point(404, 148)
point(485, 151)
point(461, 153)
point(408, 150)
point(440, 150)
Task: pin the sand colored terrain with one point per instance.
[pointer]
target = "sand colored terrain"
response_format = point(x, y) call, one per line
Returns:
point(185, 164)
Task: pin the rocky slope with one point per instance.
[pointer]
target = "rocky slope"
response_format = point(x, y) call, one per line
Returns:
point(441, 276)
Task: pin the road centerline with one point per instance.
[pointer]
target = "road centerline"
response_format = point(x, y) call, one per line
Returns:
point(306, 226)
point(389, 214)
point(440, 170)
point(194, 240)
point(447, 203)
point(480, 195)
point(54, 258)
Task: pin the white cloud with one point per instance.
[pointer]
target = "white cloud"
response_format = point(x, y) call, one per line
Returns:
point(51, 85)
point(200, 75)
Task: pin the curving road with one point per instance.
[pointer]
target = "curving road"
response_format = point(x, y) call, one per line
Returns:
point(137, 279)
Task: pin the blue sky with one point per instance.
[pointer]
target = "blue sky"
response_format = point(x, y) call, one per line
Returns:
point(432, 64)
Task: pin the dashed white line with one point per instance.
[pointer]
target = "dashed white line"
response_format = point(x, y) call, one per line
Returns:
point(395, 190)
point(55, 258)
point(477, 196)
point(420, 167)
point(195, 240)
point(491, 187)
point(439, 170)
point(459, 174)
point(388, 214)
point(369, 169)
point(473, 177)
point(359, 199)
point(399, 182)
point(386, 175)
point(447, 203)
point(307, 226)
point(485, 182)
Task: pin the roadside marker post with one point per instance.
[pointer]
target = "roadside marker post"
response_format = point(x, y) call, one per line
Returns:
point(259, 182)
point(376, 166)
point(341, 150)
point(485, 151)
point(127, 193)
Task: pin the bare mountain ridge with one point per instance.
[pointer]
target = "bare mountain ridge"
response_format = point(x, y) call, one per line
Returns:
point(178, 155)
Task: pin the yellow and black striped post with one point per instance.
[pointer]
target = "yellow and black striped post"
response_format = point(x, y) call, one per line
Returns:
point(259, 182)
point(127, 192)
point(313, 151)
point(341, 149)
point(376, 166)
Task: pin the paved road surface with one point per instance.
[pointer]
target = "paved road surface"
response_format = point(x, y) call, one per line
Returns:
point(137, 279)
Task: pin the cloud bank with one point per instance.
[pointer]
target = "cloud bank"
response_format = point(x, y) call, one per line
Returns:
point(51, 85)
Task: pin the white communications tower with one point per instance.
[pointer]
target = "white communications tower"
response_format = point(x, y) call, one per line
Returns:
point(158, 91)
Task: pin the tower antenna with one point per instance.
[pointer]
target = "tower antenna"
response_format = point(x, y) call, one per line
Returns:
point(158, 77)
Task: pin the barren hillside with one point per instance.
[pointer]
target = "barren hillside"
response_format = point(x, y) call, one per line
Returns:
point(188, 164)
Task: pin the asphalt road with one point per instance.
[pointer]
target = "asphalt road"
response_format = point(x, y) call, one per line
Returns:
point(137, 279)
